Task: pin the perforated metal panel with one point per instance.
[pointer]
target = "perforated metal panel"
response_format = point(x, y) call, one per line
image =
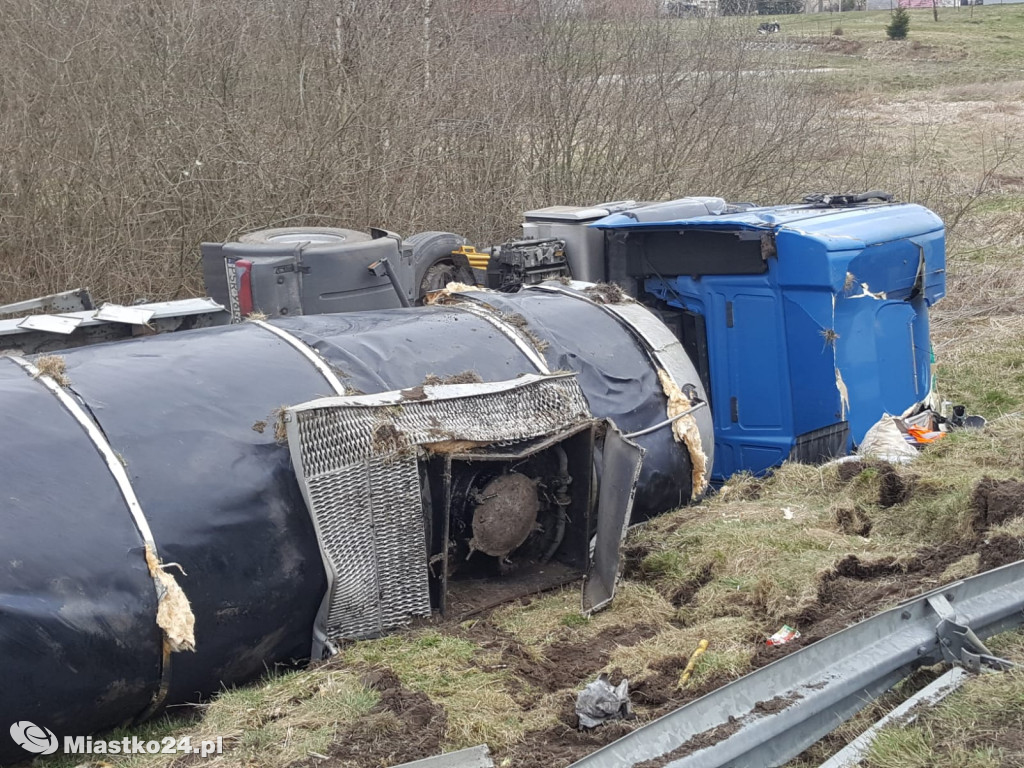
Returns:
point(356, 461)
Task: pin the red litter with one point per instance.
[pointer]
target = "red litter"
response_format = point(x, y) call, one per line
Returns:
point(783, 636)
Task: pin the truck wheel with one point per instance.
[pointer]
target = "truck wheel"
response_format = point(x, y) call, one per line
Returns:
point(433, 266)
point(294, 235)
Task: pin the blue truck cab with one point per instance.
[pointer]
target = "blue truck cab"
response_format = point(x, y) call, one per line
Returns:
point(807, 322)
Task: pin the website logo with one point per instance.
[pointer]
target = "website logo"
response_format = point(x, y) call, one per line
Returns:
point(34, 738)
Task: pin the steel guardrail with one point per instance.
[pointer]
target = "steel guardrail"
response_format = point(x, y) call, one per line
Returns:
point(771, 715)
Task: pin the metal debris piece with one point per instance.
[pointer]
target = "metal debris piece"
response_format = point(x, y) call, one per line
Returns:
point(50, 323)
point(115, 313)
point(65, 301)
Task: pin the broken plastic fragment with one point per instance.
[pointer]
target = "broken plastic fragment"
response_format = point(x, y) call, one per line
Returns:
point(600, 702)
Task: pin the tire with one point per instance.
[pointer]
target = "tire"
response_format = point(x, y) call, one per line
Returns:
point(432, 264)
point(293, 235)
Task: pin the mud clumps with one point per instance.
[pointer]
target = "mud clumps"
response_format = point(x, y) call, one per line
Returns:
point(606, 293)
point(573, 664)
point(698, 742)
point(633, 555)
point(387, 439)
point(849, 470)
point(893, 488)
point(413, 393)
point(994, 502)
point(520, 323)
point(466, 377)
point(852, 567)
point(999, 551)
point(404, 725)
point(776, 705)
point(685, 593)
point(660, 689)
point(851, 519)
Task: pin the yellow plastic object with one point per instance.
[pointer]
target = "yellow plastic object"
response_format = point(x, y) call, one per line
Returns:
point(701, 647)
point(477, 260)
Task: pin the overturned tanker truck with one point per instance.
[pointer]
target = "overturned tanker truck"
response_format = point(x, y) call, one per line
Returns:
point(182, 510)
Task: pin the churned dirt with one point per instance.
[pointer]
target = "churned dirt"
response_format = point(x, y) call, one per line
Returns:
point(996, 501)
point(403, 726)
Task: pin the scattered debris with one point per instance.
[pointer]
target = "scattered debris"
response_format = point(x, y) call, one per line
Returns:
point(885, 441)
point(606, 293)
point(441, 296)
point(280, 429)
point(259, 426)
point(54, 367)
point(685, 676)
point(600, 702)
point(685, 431)
point(783, 636)
point(466, 377)
point(174, 613)
point(413, 393)
point(518, 321)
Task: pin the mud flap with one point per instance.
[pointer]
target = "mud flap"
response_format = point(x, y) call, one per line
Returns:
point(619, 473)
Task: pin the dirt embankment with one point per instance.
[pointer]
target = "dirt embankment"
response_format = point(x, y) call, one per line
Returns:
point(407, 725)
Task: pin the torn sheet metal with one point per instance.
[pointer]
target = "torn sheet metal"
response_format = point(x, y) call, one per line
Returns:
point(50, 323)
point(115, 313)
point(31, 335)
point(65, 301)
point(620, 470)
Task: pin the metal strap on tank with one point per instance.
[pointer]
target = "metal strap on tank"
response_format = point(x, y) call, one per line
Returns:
point(124, 485)
point(661, 345)
point(505, 329)
point(306, 351)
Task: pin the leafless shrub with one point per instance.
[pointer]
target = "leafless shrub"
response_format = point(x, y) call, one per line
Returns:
point(130, 132)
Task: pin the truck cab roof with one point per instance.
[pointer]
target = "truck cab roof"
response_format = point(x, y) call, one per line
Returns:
point(836, 228)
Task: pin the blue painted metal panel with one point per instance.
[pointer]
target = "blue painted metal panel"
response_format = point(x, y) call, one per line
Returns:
point(835, 330)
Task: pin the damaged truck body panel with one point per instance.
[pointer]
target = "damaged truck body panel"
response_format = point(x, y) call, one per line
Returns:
point(195, 422)
point(806, 323)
